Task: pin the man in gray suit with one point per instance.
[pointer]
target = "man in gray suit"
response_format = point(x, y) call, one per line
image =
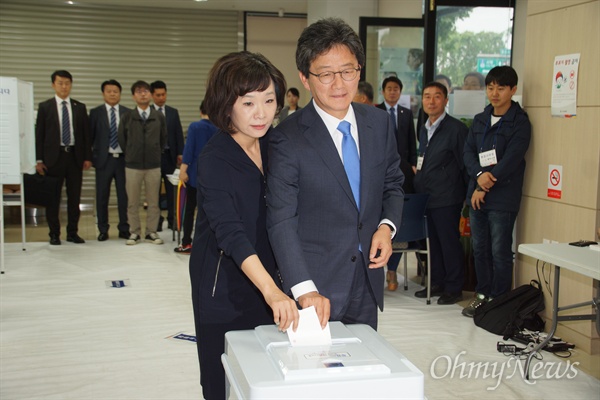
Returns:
point(334, 184)
point(108, 157)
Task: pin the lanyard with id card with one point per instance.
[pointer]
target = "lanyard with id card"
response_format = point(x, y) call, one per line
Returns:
point(488, 158)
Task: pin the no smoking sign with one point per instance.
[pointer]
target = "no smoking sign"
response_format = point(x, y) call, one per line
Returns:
point(555, 181)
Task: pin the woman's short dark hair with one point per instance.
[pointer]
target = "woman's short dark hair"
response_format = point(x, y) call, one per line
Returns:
point(235, 75)
point(294, 91)
point(322, 36)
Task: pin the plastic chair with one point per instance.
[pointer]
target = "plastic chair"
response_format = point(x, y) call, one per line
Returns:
point(412, 229)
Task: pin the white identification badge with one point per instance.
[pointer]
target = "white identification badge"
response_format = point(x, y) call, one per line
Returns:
point(488, 158)
point(419, 162)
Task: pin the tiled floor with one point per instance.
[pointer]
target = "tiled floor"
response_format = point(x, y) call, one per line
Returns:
point(65, 336)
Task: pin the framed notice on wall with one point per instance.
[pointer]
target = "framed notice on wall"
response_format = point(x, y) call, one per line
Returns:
point(564, 86)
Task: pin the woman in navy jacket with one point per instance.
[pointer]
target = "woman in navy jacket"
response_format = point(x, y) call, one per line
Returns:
point(234, 277)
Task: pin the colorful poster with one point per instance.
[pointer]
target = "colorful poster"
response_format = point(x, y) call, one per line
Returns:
point(564, 86)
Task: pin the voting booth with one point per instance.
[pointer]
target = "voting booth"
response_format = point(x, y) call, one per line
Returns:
point(17, 147)
point(358, 364)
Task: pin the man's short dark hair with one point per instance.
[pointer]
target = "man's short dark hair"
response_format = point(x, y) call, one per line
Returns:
point(111, 82)
point(365, 88)
point(477, 75)
point(323, 35)
point(391, 79)
point(503, 76)
point(157, 85)
point(438, 85)
point(139, 85)
point(235, 75)
point(63, 74)
point(294, 91)
point(444, 77)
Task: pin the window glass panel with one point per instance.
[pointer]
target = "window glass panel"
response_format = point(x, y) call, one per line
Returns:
point(397, 51)
point(469, 42)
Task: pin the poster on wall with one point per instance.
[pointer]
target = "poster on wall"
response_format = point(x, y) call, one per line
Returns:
point(555, 181)
point(564, 86)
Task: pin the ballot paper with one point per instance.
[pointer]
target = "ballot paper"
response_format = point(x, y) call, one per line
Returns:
point(309, 331)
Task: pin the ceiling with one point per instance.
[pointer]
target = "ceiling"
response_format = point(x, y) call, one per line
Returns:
point(274, 6)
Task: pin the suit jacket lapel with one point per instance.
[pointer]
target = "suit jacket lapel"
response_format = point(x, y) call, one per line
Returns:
point(367, 153)
point(318, 136)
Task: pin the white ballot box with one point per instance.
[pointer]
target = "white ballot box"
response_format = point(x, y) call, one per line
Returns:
point(359, 364)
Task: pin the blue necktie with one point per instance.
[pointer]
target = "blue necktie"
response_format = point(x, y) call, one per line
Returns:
point(114, 142)
point(351, 160)
point(66, 125)
point(394, 119)
point(144, 116)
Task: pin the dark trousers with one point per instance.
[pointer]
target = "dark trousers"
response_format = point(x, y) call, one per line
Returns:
point(113, 169)
point(188, 216)
point(167, 168)
point(361, 307)
point(66, 170)
point(447, 257)
point(211, 344)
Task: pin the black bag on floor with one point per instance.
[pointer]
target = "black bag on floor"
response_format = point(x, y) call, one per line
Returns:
point(41, 190)
point(512, 312)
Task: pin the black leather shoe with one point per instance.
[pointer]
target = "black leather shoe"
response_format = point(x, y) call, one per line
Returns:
point(450, 298)
point(54, 240)
point(124, 235)
point(102, 237)
point(75, 239)
point(436, 290)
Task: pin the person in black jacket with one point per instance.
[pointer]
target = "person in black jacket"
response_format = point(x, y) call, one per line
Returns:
point(494, 157)
point(235, 284)
point(440, 172)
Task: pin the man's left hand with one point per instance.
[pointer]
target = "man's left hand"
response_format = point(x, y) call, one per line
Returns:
point(382, 243)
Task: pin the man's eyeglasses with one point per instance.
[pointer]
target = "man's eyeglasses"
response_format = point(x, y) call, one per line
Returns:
point(329, 76)
point(142, 91)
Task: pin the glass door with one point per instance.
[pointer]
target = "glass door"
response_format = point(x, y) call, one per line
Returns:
point(466, 40)
point(394, 47)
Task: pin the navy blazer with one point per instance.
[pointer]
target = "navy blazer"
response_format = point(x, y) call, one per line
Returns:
point(313, 221)
point(406, 139)
point(48, 134)
point(100, 133)
point(174, 132)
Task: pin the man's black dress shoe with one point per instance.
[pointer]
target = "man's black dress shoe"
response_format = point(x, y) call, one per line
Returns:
point(124, 235)
point(436, 290)
point(450, 298)
point(102, 237)
point(54, 240)
point(75, 239)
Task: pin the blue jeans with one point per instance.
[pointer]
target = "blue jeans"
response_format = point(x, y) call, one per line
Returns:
point(491, 233)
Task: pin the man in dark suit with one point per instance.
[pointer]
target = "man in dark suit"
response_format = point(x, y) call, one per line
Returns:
point(334, 184)
point(63, 151)
point(108, 158)
point(406, 141)
point(405, 129)
point(173, 151)
point(441, 173)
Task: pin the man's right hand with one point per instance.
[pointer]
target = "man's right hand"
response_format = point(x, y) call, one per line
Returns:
point(41, 168)
point(321, 304)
